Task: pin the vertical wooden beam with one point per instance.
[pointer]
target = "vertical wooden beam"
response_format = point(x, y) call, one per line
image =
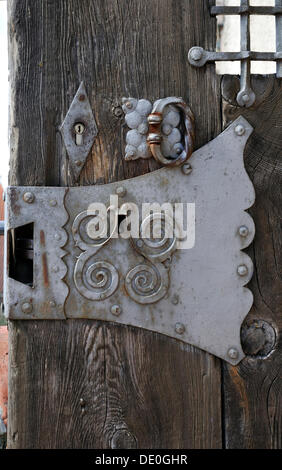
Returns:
point(82, 383)
point(253, 390)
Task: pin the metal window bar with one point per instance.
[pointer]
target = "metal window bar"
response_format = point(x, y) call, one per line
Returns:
point(198, 57)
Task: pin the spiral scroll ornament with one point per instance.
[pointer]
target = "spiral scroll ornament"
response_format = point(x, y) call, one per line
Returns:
point(148, 282)
point(95, 280)
point(158, 240)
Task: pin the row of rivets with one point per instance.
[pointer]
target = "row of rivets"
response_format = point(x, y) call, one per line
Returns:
point(29, 198)
point(27, 306)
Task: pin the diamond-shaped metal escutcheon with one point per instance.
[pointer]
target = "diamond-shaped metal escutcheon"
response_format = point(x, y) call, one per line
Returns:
point(79, 130)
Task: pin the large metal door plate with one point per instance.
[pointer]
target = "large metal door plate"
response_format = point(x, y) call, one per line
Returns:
point(195, 294)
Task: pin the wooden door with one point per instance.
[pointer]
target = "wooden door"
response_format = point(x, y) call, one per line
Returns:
point(89, 384)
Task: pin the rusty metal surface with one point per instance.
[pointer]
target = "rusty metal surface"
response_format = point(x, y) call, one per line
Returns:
point(195, 294)
point(45, 209)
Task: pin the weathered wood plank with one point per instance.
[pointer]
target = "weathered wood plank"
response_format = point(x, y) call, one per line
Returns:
point(83, 383)
point(253, 390)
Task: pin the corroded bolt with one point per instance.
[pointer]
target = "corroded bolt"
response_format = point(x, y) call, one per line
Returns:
point(28, 197)
point(243, 231)
point(78, 162)
point(179, 328)
point(196, 54)
point(233, 353)
point(242, 270)
point(239, 130)
point(186, 169)
point(116, 310)
point(26, 307)
point(121, 191)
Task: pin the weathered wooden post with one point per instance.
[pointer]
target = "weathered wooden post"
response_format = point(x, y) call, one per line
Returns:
point(84, 383)
point(138, 388)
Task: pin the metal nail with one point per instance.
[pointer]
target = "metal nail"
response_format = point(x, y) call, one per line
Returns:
point(121, 191)
point(116, 310)
point(240, 130)
point(242, 270)
point(26, 307)
point(233, 353)
point(186, 169)
point(28, 197)
point(243, 231)
point(179, 328)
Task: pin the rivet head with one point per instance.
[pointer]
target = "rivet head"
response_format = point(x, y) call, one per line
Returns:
point(52, 303)
point(55, 269)
point(242, 270)
point(233, 353)
point(117, 111)
point(121, 191)
point(243, 231)
point(240, 130)
point(116, 310)
point(26, 307)
point(53, 202)
point(128, 104)
point(196, 54)
point(139, 243)
point(57, 236)
point(28, 197)
point(245, 98)
point(175, 299)
point(179, 328)
point(186, 169)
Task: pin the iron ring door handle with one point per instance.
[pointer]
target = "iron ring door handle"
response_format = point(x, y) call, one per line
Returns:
point(154, 138)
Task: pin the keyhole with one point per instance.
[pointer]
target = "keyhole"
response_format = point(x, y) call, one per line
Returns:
point(79, 129)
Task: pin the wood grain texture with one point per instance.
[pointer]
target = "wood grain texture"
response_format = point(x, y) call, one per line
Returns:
point(81, 383)
point(253, 389)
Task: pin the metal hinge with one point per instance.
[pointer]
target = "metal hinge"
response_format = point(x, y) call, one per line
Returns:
point(188, 285)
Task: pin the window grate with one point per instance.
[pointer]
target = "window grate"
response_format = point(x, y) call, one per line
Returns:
point(198, 57)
